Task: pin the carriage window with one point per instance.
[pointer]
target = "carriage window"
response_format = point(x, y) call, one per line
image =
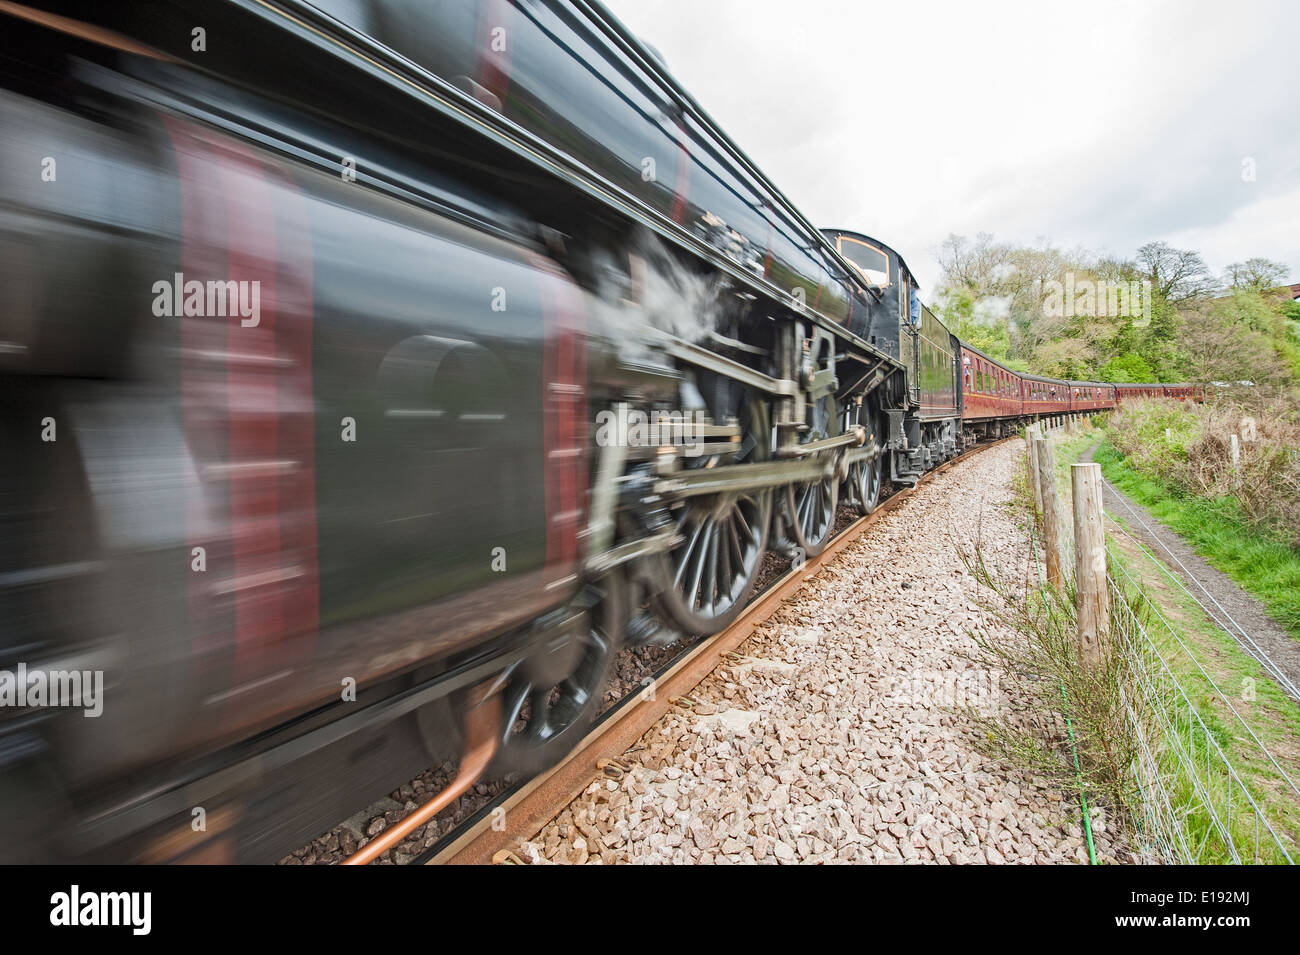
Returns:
point(871, 262)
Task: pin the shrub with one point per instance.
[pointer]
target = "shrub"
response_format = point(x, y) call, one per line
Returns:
point(1195, 456)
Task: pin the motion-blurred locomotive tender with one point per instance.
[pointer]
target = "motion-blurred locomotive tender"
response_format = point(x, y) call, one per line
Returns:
point(299, 545)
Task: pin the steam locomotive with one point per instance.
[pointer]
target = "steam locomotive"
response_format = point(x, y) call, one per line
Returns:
point(308, 314)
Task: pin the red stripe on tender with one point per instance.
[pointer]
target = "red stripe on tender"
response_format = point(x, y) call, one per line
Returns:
point(550, 475)
point(564, 412)
point(258, 566)
point(248, 411)
point(278, 543)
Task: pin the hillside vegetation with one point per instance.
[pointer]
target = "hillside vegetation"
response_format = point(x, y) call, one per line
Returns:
point(1160, 316)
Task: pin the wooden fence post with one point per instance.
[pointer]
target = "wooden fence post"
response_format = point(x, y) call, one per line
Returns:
point(1046, 465)
point(1031, 436)
point(1090, 562)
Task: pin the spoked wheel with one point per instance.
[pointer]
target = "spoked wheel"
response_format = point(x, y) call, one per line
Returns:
point(551, 698)
point(708, 575)
point(866, 476)
point(810, 508)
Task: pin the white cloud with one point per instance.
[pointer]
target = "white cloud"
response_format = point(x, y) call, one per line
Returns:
point(1270, 223)
point(1106, 126)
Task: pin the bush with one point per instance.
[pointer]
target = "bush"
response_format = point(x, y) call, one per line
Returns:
point(1195, 455)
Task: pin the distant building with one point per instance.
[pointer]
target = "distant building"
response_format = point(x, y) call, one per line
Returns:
point(1295, 292)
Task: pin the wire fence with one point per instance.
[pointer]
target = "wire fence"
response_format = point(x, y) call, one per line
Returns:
point(1193, 805)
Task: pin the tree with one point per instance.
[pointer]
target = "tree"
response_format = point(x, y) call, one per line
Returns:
point(971, 266)
point(1222, 347)
point(1178, 275)
point(1067, 358)
point(1255, 273)
point(1127, 367)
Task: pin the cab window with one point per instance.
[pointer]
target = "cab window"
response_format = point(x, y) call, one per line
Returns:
point(871, 262)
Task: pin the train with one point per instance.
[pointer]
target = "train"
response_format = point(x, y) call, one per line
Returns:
point(371, 373)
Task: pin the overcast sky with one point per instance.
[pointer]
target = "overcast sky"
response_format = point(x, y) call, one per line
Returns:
point(1102, 124)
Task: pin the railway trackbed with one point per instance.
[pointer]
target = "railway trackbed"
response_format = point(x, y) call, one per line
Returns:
point(516, 812)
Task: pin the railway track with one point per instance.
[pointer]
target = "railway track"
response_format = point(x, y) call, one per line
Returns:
point(486, 836)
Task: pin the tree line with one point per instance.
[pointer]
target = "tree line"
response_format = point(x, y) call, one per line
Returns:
point(1054, 312)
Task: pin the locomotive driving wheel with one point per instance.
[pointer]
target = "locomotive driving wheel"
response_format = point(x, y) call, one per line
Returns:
point(708, 575)
point(867, 474)
point(810, 507)
point(552, 696)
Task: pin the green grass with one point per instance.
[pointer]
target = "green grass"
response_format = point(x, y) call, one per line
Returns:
point(1262, 564)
